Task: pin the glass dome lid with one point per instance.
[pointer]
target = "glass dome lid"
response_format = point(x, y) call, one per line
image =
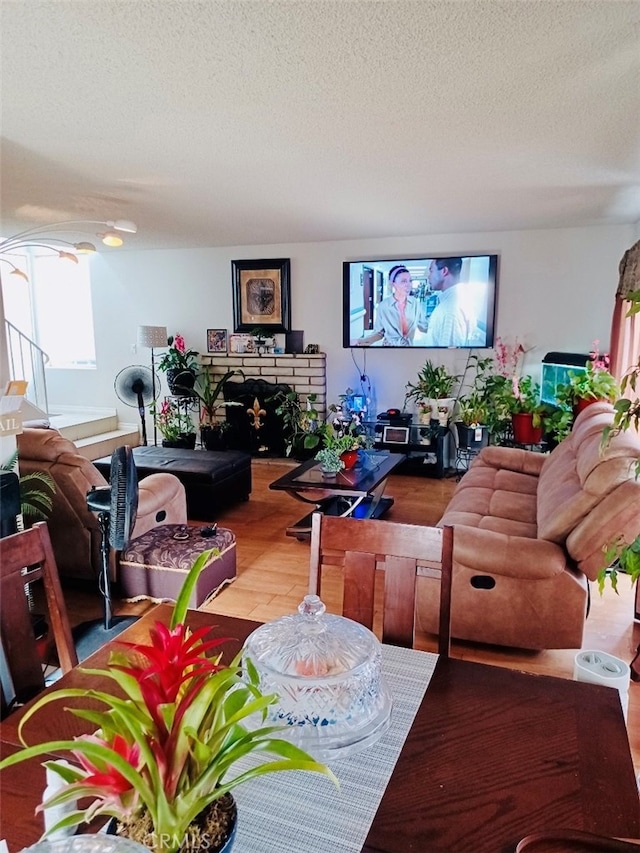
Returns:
point(326, 671)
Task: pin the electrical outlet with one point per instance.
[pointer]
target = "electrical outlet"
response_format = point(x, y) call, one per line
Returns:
point(134, 348)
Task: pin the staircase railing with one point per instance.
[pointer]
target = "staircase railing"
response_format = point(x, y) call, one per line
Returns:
point(27, 361)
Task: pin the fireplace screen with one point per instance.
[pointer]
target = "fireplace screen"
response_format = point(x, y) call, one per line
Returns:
point(256, 428)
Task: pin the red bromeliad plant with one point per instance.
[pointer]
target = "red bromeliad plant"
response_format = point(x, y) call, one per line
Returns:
point(167, 742)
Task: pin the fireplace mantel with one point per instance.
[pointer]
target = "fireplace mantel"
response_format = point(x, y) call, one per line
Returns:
point(305, 373)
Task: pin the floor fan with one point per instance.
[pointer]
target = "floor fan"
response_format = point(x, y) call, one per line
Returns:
point(136, 386)
point(116, 506)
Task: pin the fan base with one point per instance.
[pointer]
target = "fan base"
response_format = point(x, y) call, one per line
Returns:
point(90, 636)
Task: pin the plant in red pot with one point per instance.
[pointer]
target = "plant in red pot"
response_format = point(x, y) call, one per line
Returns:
point(527, 412)
point(347, 436)
point(589, 385)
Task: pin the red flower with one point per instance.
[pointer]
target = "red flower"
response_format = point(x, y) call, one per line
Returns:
point(103, 776)
point(174, 658)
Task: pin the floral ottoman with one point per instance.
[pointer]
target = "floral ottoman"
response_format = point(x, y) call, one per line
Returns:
point(155, 564)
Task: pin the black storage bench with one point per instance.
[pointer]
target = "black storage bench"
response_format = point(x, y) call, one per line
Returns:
point(212, 479)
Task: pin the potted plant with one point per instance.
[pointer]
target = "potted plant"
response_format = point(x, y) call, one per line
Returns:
point(163, 759)
point(304, 435)
point(262, 338)
point(557, 424)
point(36, 491)
point(473, 432)
point(174, 424)
point(330, 461)
point(527, 411)
point(209, 393)
point(593, 383)
point(346, 435)
point(432, 392)
point(484, 406)
point(179, 364)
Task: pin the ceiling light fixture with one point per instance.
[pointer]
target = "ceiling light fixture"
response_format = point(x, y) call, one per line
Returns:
point(38, 236)
point(84, 248)
point(110, 238)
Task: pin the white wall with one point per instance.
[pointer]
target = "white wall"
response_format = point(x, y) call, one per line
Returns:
point(556, 292)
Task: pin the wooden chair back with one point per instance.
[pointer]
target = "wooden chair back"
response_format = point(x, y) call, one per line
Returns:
point(25, 557)
point(403, 551)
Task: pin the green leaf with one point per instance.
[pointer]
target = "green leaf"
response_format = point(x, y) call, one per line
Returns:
point(182, 603)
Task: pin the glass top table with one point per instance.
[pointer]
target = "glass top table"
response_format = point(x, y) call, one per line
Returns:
point(357, 492)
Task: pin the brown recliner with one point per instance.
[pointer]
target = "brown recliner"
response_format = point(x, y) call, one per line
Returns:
point(74, 529)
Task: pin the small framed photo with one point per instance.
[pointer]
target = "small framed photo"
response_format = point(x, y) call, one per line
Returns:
point(240, 343)
point(216, 340)
point(395, 435)
point(261, 295)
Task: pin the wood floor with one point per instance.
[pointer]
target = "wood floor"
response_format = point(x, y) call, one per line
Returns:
point(273, 567)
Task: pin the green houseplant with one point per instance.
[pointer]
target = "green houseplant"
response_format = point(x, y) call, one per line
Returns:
point(179, 364)
point(346, 436)
point(174, 424)
point(304, 433)
point(434, 383)
point(527, 412)
point(471, 426)
point(209, 394)
point(36, 491)
point(168, 740)
point(593, 383)
point(329, 459)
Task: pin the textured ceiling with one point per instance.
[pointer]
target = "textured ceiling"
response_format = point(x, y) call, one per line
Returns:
point(235, 122)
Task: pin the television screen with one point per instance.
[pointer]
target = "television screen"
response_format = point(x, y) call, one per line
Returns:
point(421, 302)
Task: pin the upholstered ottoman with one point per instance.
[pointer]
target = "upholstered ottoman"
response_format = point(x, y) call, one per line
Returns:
point(212, 479)
point(155, 564)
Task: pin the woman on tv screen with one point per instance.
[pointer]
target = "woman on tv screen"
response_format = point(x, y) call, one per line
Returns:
point(398, 315)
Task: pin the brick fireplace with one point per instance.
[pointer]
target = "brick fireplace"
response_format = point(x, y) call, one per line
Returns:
point(304, 373)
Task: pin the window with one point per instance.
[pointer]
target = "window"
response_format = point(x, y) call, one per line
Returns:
point(54, 307)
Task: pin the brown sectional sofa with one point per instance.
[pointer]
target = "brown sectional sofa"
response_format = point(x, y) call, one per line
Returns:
point(530, 532)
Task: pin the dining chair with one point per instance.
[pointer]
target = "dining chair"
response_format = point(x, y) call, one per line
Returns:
point(25, 557)
point(575, 841)
point(403, 551)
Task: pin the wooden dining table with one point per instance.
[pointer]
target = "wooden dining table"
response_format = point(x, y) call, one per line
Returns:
point(492, 755)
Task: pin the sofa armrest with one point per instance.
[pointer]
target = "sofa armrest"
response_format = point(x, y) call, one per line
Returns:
point(512, 556)
point(161, 500)
point(513, 459)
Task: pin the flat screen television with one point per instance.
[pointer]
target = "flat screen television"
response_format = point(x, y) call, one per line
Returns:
point(450, 302)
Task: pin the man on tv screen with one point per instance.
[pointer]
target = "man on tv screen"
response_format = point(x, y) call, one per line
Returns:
point(454, 322)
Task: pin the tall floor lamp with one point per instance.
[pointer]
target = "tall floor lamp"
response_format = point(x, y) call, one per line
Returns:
point(153, 337)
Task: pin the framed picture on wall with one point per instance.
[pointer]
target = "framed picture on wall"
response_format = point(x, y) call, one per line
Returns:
point(261, 295)
point(216, 340)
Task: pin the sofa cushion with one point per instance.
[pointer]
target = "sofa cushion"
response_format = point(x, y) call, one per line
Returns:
point(580, 473)
point(617, 515)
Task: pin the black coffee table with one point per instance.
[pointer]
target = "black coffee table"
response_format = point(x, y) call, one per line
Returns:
point(357, 492)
